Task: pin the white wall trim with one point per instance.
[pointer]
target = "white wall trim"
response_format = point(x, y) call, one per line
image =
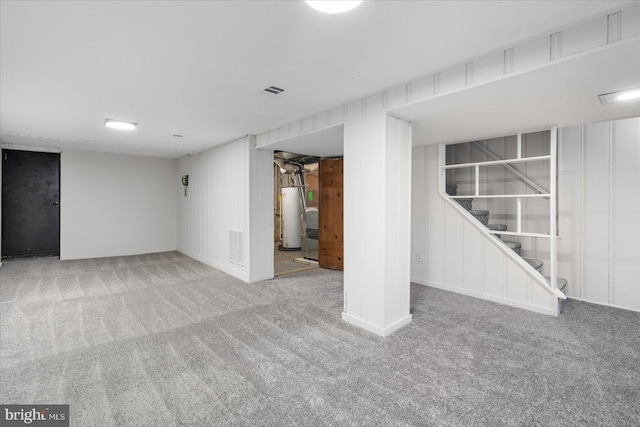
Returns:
point(264, 145)
point(606, 304)
point(218, 266)
point(540, 66)
point(479, 295)
point(20, 147)
point(260, 277)
point(375, 328)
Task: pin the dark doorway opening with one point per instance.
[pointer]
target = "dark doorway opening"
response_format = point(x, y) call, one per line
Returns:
point(30, 203)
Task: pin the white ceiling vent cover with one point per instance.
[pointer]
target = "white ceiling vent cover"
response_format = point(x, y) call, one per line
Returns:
point(236, 252)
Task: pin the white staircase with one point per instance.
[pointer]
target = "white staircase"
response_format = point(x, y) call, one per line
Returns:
point(501, 232)
point(483, 217)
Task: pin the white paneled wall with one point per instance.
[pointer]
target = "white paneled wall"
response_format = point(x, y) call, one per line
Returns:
point(599, 212)
point(450, 252)
point(230, 189)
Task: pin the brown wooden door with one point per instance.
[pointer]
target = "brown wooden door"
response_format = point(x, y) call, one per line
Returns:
point(330, 244)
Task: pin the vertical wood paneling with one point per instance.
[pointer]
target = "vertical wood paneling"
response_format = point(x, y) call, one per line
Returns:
point(454, 257)
point(306, 124)
point(585, 36)
point(261, 203)
point(374, 190)
point(435, 220)
point(452, 78)
point(321, 120)
point(397, 95)
point(472, 255)
point(599, 208)
point(596, 205)
point(488, 67)
point(570, 208)
point(516, 282)
point(530, 54)
point(630, 22)
point(263, 138)
point(330, 241)
point(217, 202)
point(336, 115)
point(493, 269)
point(422, 87)
point(540, 297)
point(398, 212)
point(419, 211)
point(353, 227)
point(625, 233)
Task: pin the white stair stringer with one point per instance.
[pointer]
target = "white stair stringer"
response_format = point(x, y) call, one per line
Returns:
point(534, 276)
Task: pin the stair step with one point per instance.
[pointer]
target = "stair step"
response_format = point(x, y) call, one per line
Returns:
point(482, 216)
point(497, 227)
point(452, 189)
point(535, 263)
point(465, 203)
point(514, 246)
point(560, 282)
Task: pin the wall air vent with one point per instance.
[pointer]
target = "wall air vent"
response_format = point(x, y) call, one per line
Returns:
point(273, 90)
point(236, 252)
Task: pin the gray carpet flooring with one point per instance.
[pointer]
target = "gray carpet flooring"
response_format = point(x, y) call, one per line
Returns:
point(163, 340)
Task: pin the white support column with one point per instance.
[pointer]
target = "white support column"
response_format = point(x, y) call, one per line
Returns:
point(553, 200)
point(442, 173)
point(260, 225)
point(377, 218)
point(519, 146)
point(519, 214)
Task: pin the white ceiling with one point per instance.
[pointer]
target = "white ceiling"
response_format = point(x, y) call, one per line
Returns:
point(198, 68)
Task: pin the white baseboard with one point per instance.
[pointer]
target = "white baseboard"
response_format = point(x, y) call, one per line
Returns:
point(217, 265)
point(378, 330)
point(260, 277)
point(605, 304)
point(492, 298)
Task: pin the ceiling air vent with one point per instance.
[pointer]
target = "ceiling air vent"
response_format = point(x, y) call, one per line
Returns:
point(273, 90)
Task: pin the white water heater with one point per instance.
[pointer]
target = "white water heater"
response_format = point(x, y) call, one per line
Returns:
point(291, 223)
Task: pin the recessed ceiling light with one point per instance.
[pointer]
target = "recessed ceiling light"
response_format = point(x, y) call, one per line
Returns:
point(119, 124)
point(333, 7)
point(621, 95)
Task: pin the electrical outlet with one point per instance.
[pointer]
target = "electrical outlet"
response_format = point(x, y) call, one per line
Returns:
point(418, 256)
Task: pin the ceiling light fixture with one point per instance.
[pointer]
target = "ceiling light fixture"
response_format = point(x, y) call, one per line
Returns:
point(334, 7)
point(119, 124)
point(621, 95)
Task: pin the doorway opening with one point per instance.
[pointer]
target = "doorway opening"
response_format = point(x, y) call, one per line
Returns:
point(30, 203)
point(296, 202)
point(308, 212)
point(308, 166)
